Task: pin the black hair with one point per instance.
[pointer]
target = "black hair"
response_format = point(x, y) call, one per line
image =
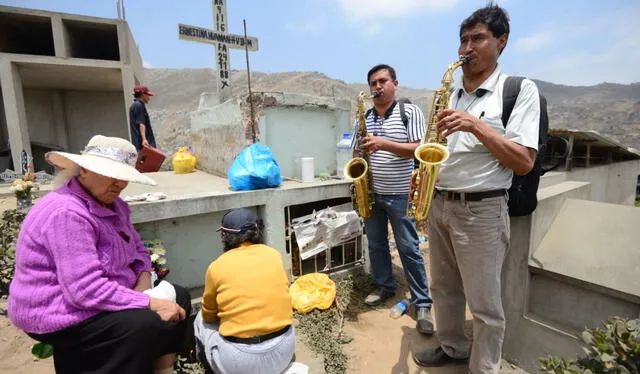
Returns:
point(495, 17)
point(375, 69)
point(138, 95)
point(233, 240)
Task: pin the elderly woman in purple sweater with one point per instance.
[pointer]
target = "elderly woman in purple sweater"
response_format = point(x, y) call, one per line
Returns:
point(81, 272)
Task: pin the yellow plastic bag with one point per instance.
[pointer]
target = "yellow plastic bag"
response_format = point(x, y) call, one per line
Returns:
point(183, 161)
point(311, 291)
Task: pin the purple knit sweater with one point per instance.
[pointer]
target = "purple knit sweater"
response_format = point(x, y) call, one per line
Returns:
point(75, 259)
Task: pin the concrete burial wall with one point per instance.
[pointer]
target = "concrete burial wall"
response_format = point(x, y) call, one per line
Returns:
point(572, 263)
point(292, 125)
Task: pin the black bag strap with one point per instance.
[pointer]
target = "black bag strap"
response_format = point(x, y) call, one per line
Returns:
point(510, 93)
point(366, 114)
point(403, 115)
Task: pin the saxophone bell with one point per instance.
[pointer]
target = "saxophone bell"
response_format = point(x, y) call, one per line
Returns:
point(431, 154)
point(357, 169)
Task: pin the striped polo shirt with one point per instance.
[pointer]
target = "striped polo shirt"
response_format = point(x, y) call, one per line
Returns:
point(392, 173)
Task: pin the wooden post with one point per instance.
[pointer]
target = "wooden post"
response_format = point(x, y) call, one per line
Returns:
point(568, 162)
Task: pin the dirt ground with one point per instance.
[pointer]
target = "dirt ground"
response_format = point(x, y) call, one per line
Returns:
point(15, 352)
point(381, 345)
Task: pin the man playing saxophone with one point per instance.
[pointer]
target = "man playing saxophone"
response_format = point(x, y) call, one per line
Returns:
point(390, 145)
point(469, 221)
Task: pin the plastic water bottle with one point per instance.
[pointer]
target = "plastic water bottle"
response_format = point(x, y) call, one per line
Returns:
point(343, 154)
point(399, 309)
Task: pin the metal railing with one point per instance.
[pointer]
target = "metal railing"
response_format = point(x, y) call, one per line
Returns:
point(345, 256)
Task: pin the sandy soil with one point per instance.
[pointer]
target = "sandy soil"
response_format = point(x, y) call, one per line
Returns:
point(15, 351)
point(385, 345)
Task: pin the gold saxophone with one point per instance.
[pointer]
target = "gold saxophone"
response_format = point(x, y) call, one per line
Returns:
point(357, 169)
point(432, 151)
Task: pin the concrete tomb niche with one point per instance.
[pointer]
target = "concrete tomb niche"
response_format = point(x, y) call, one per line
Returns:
point(26, 34)
point(63, 79)
point(92, 40)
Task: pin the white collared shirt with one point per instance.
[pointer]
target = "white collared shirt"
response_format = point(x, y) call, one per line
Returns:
point(471, 167)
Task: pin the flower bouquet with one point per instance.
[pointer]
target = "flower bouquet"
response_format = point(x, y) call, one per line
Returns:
point(23, 188)
point(158, 260)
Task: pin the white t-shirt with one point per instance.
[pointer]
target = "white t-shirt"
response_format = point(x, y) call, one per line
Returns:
point(471, 167)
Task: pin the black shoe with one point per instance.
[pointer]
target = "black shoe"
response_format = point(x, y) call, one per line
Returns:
point(424, 322)
point(378, 296)
point(436, 357)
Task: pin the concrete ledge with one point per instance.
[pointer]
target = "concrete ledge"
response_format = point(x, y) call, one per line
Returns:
point(577, 248)
point(200, 193)
point(550, 201)
point(551, 178)
point(64, 61)
point(289, 99)
point(45, 13)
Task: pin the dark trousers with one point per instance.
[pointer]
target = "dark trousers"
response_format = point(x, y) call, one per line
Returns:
point(127, 341)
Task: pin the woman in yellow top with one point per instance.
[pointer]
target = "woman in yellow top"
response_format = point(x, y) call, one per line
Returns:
point(245, 322)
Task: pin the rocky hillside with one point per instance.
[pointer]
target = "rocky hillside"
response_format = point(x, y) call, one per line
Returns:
point(611, 109)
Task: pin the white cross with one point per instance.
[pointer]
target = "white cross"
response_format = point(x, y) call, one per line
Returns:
point(222, 40)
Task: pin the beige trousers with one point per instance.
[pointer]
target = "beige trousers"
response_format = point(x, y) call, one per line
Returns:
point(467, 243)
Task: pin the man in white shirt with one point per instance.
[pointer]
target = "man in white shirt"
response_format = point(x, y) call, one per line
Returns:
point(469, 219)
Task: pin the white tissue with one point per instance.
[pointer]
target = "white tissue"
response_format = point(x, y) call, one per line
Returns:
point(164, 290)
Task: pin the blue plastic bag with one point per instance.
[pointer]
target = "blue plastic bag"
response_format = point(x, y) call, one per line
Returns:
point(254, 168)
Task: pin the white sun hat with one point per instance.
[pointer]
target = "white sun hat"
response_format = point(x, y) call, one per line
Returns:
point(108, 156)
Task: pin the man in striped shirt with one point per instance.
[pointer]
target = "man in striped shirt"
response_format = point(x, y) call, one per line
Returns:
point(390, 144)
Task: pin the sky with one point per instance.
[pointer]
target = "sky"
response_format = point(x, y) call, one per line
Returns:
point(571, 42)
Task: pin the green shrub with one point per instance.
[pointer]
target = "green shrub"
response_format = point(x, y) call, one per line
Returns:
point(612, 349)
point(9, 228)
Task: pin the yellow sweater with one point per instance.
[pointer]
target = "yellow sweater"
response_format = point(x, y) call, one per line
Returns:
point(248, 290)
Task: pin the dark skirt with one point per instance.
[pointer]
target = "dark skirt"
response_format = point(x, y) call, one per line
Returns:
point(128, 341)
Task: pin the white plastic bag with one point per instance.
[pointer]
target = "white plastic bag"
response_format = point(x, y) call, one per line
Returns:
point(325, 229)
point(297, 368)
point(164, 290)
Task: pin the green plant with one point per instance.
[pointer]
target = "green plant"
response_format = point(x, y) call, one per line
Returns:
point(42, 350)
point(612, 349)
point(9, 227)
point(322, 329)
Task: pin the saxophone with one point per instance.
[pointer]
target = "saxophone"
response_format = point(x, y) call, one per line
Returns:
point(432, 151)
point(357, 169)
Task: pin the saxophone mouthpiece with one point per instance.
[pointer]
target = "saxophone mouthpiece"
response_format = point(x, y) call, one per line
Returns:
point(376, 94)
point(465, 58)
